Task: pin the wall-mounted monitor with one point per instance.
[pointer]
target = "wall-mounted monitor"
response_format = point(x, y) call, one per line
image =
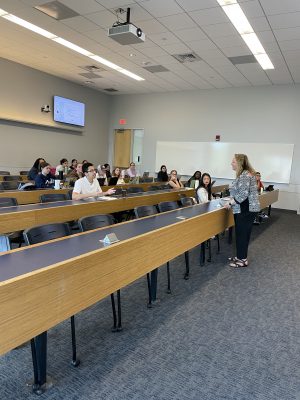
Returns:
point(68, 111)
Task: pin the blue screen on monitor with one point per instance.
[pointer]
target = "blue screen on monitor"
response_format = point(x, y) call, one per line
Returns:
point(68, 111)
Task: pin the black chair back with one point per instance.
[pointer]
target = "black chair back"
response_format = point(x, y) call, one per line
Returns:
point(135, 189)
point(42, 233)
point(51, 197)
point(11, 178)
point(167, 206)
point(10, 185)
point(4, 173)
point(95, 221)
point(153, 188)
point(186, 201)
point(4, 243)
point(145, 211)
point(24, 172)
point(8, 201)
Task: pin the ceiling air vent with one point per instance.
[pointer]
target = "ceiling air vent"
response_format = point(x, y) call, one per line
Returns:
point(90, 75)
point(156, 68)
point(111, 90)
point(187, 57)
point(56, 10)
point(250, 59)
point(92, 68)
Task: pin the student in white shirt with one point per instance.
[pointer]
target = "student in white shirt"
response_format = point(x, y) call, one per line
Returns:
point(88, 186)
point(204, 189)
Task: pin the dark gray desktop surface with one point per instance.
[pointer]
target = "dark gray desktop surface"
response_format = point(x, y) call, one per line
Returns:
point(30, 259)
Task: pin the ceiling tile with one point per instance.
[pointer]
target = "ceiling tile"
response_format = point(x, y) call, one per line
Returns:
point(192, 5)
point(190, 34)
point(281, 21)
point(210, 16)
point(272, 7)
point(82, 7)
point(177, 22)
point(104, 19)
point(80, 24)
point(159, 8)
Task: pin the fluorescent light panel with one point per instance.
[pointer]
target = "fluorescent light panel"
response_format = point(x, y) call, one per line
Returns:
point(66, 43)
point(239, 20)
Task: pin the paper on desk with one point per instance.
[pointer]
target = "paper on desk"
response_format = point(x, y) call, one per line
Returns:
point(105, 198)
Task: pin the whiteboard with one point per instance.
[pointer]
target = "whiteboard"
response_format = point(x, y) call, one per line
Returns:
point(272, 160)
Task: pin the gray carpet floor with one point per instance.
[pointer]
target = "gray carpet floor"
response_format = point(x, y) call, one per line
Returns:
point(223, 334)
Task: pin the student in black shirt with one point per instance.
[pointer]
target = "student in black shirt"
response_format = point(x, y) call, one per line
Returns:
point(35, 169)
point(162, 176)
point(44, 179)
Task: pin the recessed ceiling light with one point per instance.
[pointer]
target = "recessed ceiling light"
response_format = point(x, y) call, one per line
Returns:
point(132, 55)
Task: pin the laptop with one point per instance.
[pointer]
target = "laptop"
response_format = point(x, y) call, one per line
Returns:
point(113, 180)
point(101, 181)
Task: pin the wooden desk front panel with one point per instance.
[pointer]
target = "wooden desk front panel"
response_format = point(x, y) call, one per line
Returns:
point(35, 302)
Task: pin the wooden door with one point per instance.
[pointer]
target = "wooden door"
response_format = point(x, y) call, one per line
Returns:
point(122, 147)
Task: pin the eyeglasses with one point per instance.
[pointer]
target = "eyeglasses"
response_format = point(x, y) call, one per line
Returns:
point(91, 170)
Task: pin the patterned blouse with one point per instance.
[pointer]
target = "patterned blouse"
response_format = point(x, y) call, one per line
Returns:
point(244, 188)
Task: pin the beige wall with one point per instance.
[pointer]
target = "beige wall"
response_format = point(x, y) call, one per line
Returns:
point(23, 91)
point(259, 115)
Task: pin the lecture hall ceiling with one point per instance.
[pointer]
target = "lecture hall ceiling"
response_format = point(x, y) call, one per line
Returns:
point(171, 27)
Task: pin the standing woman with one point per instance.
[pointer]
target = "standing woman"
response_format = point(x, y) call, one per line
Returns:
point(245, 205)
point(204, 189)
point(174, 182)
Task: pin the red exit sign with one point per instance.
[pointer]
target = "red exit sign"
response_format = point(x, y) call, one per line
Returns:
point(122, 121)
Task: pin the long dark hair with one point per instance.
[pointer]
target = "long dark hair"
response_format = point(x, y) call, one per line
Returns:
point(194, 176)
point(208, 187)
point(36, 164)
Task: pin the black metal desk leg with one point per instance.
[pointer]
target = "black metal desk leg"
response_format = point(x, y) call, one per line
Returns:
point(39, 360)
point(269, 210)
point(153, 286)
point(119, 328)
point(187, 265)
point(149, 305)
point(113, 306)
point(75, 361)
point(202, 254)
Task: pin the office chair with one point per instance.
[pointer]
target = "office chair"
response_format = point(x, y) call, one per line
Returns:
point(99, 221)
point(14, 237)
point(39, 234)
point(153, 188)
point(135, 189)
point(4, 243)
point(146, 211)
point(169, 206)
point(9, 178)
point(24, 172)
point(10, 185)
point(52, 197)
point(4, 173)
point(186, 201)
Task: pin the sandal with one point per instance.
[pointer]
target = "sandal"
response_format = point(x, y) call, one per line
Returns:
point(234, 259)
point(239, 263)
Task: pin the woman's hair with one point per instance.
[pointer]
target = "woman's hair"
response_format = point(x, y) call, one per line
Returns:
point(163, 166)
point(114, 171)
point(243, 164)
point(208, 187)
point(194, 176)
point(44, 164)
point(74, 159)
point(106, 165)
point(173, 171)
point(63, 160)
point(36, 164)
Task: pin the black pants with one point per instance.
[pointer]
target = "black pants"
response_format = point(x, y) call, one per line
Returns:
point(243, 227)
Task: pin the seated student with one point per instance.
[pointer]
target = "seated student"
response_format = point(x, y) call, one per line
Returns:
point(204, 189)
point(259, 184)
point(101, 173)
point(174, 182)
point(107, 169)
point(194, 180)
point(74, 163)
point(162, 175)
point(260, 188)
point(117, 173)
point(131, 171)
point(75, 174)
point(35, 169)
point(62, 167)
point(88, 186)
point(44, 179)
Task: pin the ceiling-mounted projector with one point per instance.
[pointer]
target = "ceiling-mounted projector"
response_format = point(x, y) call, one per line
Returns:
point(126, 33)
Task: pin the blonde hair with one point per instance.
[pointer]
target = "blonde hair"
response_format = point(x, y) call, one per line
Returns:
point(243, 164)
